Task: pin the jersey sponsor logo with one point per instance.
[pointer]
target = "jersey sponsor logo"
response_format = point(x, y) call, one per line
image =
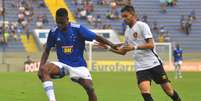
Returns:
point(67, 49)
point(135, 35)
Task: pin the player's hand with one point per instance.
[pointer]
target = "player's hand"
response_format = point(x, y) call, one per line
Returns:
point(101, 45)
point(115, 46)
point(128, 47)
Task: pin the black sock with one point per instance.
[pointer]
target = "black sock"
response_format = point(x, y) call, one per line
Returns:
point(147, 97)
point(175, 96)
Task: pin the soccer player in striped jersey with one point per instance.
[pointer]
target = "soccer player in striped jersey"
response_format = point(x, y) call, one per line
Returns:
point(69, 40)
point(148, 66)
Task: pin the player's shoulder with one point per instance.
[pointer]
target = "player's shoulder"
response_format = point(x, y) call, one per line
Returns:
point(53, 29)
point(75, 25)
point(140, 23)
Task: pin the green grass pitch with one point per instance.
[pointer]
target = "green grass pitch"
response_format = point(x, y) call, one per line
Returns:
point(109, 86)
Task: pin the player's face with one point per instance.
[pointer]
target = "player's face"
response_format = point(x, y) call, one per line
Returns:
point(128, 17)
point(62, 22)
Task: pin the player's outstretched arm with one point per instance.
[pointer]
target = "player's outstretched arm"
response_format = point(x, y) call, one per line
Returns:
point(118, 50)
point(102, 40)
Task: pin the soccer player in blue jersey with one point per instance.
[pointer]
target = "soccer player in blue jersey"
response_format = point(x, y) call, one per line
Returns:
point(69, 40)
point(178, 58)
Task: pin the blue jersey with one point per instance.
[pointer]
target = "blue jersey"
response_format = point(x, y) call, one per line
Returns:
point(177, 54)
point(70, 45)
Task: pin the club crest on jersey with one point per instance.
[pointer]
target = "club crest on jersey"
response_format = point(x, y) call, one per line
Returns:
point(135, 35)
point(67, 49)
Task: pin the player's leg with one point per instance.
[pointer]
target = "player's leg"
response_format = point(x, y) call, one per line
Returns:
point(82, 76)
point(144, 87)
point(179, 69)
point(144, 84)
point(45, 73)
point(176, 70)
point(168, 89)
point(88, 86)
point(160, 77)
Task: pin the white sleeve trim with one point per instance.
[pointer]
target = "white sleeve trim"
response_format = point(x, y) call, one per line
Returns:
point(53, 29)
point(76, 25)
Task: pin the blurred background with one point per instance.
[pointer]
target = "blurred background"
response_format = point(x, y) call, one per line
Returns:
point(24, 26)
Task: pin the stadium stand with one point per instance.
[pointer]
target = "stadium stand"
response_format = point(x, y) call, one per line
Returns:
point(151, 8)
point(29, 45)
point(44, 12)
point(11, 16)
point(169, 20)
point(53, 5)
point(73, 9)
point(98, 10)
point(13, 46)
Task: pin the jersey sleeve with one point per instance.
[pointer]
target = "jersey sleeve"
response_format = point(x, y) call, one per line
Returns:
point(86, 33)
point(50, 40)
point(146, 31)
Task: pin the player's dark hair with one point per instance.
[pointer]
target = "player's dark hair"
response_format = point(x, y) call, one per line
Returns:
point(62, 12)
point(128, 8)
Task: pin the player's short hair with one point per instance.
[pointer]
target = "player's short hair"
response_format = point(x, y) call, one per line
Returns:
point(62, 12)
point(128, 8)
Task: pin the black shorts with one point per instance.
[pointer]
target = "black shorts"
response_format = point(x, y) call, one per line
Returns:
point(157, 74)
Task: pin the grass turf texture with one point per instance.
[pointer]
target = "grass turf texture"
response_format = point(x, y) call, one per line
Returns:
point(109, 86)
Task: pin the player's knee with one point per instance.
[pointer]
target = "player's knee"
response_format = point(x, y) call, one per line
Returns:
point(144, 91)
point(169, 91)
point(144, 88)
point(168, 88)
point(42, 71)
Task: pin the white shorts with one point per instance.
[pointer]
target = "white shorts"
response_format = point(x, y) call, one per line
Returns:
point(178, 62)
point(73, 72)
